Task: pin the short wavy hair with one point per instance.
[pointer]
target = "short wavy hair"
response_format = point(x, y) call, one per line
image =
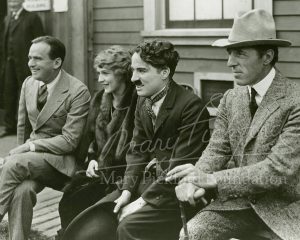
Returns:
point(117, 59)
point(57, 48)
point(159, 54)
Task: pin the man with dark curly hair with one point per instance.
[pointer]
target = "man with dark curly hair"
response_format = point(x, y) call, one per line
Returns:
point(171, 128)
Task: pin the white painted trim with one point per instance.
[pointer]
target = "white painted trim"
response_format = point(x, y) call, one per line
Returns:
point(154, 21)
point(198, 32)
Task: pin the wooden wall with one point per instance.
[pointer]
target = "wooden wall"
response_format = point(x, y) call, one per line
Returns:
point(72, 29)
point(287, 19)
point(116, 22)
point(120, 22)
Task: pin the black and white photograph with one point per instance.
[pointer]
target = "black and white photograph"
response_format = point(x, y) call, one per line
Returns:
point(149, 119)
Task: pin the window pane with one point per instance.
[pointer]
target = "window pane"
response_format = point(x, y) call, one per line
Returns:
point(232, 7)
point(181, 10)
point(208, 9)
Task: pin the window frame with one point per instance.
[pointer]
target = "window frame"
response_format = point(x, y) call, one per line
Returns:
point(155, 23)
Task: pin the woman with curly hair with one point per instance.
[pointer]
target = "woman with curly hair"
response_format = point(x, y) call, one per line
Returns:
point(171, 128)
point(106, 138)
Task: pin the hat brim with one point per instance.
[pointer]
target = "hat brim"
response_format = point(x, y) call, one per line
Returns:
point(273, 42)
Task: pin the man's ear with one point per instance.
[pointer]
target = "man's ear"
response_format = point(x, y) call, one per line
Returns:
point(165, 72)
point(57, 63)
point(268, 56)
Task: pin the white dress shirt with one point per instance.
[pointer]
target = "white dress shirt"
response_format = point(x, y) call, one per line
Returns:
point(262, 86)
point(50, 86)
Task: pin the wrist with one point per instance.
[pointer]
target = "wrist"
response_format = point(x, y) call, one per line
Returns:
point(31, 147)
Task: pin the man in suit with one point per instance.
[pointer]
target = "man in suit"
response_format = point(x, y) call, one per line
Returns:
point(20, 28)
point(171, 128)
point(52, 114)
point(257, 130)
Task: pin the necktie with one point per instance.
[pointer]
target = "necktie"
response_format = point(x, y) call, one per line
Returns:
point(42, 97)
point(253, 105)
point(150, 101)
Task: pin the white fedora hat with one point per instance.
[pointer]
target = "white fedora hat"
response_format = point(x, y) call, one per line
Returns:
point(255, 27)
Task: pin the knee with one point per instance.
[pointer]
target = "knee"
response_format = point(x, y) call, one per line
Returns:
point(8, 163)
point(26, 190)
point(196, 230)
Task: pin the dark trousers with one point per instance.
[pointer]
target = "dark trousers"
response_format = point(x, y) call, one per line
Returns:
point(12, 87)
point(148, 223)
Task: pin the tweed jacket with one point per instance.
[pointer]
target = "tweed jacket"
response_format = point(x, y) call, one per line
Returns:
point(265, 153)
point(180, 135)
point(56, 130)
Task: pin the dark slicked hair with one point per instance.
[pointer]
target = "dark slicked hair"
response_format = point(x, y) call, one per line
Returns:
point(159, 54)
point(57, 48)
point(262, 49)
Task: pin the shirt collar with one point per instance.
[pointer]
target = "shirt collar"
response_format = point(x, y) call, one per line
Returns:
point(51, 85)
point(17, 14)
point(262, 86)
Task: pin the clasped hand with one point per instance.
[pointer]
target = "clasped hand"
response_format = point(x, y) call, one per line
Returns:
point(192, 183)
point(20, 149)
point(124, 208)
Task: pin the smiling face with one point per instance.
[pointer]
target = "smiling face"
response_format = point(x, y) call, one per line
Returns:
point(110, 82)
point(247, 66)
point(41, 66)
point(147, 79)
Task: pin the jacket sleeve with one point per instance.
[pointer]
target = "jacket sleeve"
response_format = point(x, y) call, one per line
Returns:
point(281, 166)
point(136, 158)
point(72, 130)
point(191, 141)
point(218, 152)
point(23, 127)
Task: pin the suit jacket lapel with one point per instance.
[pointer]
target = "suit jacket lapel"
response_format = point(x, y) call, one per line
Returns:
point(7, 20)
point(17, 22)
point(268, 105)
point(31, 100)
point(166, 106)
point(59, 94)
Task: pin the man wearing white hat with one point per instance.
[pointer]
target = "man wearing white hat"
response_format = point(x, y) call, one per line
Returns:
point(257, 130)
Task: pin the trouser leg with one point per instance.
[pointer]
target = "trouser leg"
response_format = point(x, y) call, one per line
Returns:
point(20, 211)
point(20, 167)
point(151, 223)
point(223, 225)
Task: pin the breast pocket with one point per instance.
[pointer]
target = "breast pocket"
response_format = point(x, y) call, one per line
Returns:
point(61, 112)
